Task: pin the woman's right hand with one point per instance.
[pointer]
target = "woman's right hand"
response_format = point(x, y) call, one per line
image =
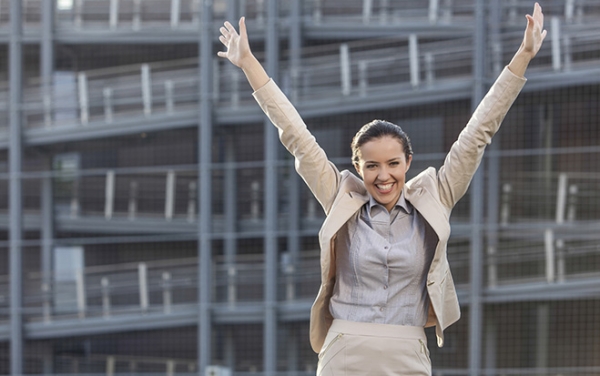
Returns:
point(238, 48)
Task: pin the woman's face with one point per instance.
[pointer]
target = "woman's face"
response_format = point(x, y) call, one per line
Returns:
point(383, 165)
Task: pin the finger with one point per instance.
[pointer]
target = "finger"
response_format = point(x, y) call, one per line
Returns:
point(544, 34)
point(537, 14)
point(223, 40)
point(534, 26)
point(230, 27)
point(243, 31)
point(222, 54)
point(224, 31)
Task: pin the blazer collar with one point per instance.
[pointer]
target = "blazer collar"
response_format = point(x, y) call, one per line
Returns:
point(430, 209)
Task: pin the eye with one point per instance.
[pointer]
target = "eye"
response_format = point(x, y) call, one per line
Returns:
point(370, 166)
point(394, 163)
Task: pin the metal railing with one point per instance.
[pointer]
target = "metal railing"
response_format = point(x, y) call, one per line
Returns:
point(158, 195)
point(544, 256)
point(132, 15)
point(113, 364)
point(163, 286)
point(184, 14)
point(168, 193)
point(180, 14)
point(546, 228)
point(390, 11)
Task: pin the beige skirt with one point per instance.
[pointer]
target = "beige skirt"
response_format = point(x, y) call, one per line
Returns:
point(356, 348)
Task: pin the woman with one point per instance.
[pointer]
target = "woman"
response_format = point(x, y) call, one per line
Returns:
point(384, 270)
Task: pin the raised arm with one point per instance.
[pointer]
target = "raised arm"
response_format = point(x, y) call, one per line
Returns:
point(239, 53)
point(321, 176)
point(466, 153)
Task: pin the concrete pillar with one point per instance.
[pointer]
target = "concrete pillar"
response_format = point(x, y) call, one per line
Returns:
point(15, 202)
point(47, 243)
point(542, 336)
point(230, 202)
point(47, 58)
point(270, 202)
point(205, 129)
point(477, 204)
point(293, 241)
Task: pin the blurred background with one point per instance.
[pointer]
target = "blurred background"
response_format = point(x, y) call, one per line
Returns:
point(151, 224)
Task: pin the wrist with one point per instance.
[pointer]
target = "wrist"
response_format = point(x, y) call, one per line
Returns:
point(525, 54)
point(248, 61)
point(520, 61)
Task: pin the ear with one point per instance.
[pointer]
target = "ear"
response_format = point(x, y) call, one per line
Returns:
point(408, 161)
point(357, 168)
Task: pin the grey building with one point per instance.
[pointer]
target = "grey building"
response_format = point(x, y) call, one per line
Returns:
point(150, 222)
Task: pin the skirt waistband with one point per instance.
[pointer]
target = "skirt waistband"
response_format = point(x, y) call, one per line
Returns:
point(377, 330)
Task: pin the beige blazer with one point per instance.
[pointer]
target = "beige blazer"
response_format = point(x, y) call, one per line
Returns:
point(433, 193)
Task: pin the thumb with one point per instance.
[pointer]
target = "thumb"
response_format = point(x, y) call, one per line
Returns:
point(529, 21)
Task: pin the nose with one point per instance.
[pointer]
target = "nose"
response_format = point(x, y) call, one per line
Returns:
point(383, 174)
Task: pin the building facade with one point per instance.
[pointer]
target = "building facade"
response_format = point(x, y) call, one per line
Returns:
point(151, 223)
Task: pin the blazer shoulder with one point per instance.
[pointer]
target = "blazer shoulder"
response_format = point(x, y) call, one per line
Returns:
point(350, 183)
point(425, 179)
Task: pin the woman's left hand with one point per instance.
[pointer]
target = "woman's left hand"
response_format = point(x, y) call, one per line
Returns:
point(534, 33)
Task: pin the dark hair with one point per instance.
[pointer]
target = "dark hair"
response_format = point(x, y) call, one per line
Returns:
point(377, 129)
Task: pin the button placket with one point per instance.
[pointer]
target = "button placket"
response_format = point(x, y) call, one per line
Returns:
point(386, 276)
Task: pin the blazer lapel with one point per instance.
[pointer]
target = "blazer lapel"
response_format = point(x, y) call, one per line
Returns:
point(347, 205)
point(429, 208)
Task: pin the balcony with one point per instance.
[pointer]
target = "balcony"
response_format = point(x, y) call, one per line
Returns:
point(150, 19)
point(332, 79)
point(163, 293)
point(544, 246)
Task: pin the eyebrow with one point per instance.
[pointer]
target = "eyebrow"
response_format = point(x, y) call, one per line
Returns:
point(389, 160)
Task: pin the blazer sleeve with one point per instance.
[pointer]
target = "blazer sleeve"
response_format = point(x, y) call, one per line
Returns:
point(311, 162)
point(466, 153)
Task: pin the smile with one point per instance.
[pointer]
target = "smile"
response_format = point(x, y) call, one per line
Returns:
point(384, 188)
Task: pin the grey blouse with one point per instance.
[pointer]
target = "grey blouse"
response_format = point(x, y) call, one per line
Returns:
point(382, 277)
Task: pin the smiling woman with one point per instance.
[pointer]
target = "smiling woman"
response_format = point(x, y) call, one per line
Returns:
point(381, 154)
point(383, 167)
point(384, 269)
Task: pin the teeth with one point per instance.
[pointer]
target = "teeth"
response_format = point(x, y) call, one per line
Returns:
point(385, 187)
